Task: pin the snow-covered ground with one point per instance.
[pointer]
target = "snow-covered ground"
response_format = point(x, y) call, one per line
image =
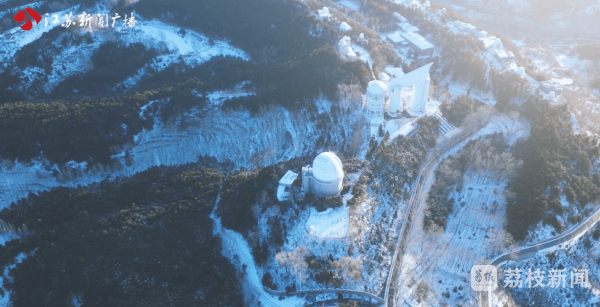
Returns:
point(261, 136)
point(192, 47)
point(331, 223)
point(579, 253)
point(237, 250)
point(5, 299)
point(474, 229)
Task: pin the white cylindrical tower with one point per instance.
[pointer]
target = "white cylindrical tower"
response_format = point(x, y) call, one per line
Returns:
point(328, 175)
point(376, 98)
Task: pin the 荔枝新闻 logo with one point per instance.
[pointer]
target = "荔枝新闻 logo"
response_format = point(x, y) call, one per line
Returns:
point(483, 277)
point(21, 16)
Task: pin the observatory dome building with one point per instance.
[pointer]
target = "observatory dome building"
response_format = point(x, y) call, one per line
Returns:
point(325, 177)
point(376, 92)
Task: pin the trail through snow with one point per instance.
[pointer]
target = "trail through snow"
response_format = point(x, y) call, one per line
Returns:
point(237, 250)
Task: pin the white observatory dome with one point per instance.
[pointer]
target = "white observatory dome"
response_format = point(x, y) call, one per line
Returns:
point(377, 88)
point(324, 12)
point(345, 27)
point(328, 174)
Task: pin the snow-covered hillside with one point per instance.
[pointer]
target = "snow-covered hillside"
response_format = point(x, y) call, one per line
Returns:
point(234, 136)
point(174, 43)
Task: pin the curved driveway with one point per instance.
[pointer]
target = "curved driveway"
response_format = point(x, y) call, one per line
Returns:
point(530, 250)
point(416, 196)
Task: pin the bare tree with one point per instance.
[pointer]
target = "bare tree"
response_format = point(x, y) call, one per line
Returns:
point(294, 260)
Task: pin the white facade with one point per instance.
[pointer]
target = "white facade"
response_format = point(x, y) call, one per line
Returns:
point(376, 92)
point(419, 78)
point(345, 27)
point(285, 184)
point(395, 102)
point(324, 13)
point(345, 48)
point(325, 177)
point(420, 96)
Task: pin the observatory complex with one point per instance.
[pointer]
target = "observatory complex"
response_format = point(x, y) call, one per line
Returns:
point(404, 92)
point(325, 177)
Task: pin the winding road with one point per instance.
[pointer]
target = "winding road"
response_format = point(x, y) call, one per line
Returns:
point(416, 198)
point(530, 250)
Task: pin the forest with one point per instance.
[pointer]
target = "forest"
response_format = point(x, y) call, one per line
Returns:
point(141, 241)
point(289, 68)
point(555, 159)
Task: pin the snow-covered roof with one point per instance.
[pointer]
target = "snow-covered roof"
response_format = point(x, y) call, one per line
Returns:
point(324, 12)
point(288, 178)
point(417, 40)
point(377, 87)
point(400, 17)
point(504, 54)
point(407, 27)
point(327, 167)
point(383, 77)
point(394, 72)
point(465, 26)
point(395, 38)
point(345, 27)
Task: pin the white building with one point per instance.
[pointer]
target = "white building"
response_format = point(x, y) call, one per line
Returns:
point(324, 12)
point(345, 47)
point(326, 176)
point(376, 92)
point(418, 79)
point(418, 43)
point(396, 39)
point(395, 102)
point(345, 27)
point(504, 56)
point(285, 185)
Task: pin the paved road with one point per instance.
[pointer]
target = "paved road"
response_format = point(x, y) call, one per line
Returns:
point(531, 250)
point(416, 198)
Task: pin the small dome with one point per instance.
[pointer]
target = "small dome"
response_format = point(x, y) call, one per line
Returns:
point(324, 12)
point(345, 27)
point(552, 94)
point(345, 41)
point(327, 167)
point(377, 87)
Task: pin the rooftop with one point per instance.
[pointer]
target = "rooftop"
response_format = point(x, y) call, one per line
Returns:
point(345, 27)
point(327, 167)
point(417, 40)
point(407, 27)
point(377, 87)
point(395, 37)
point(504, 54)
point(288, 178)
